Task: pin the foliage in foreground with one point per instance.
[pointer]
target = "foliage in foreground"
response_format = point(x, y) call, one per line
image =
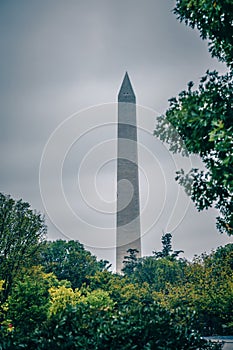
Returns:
point(85, 326)
point(200, 121)
point(163, 302)
point(204, 285)
point(146, 326)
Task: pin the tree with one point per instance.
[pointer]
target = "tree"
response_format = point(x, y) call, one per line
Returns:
point(207, 289)
point(214, 21)
point(223, 257)
point(201, 119)
point(160, 273)
point(157, 271)
point(70, 261)
point(22, 231)
point(167, 248)
point(130, 261)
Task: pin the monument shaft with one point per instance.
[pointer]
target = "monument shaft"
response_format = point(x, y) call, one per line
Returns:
point(128, 204)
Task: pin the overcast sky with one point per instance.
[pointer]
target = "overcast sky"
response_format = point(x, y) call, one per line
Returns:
point(62, 64)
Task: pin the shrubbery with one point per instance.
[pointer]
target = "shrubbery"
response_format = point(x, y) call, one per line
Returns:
point(180, 302)
point(72, 301)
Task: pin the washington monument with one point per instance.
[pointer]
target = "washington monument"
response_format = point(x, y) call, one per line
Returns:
point(128, 204)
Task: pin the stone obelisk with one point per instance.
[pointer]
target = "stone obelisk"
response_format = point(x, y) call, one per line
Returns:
point(128, 204)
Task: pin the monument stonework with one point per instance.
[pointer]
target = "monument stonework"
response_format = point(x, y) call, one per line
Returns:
point(128, 204)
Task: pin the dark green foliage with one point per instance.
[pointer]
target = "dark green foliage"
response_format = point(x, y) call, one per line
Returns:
point(70, 261)
point(28, 304)
point(203, 119)
point(213, 18)
point(223, 258)
point(167, 251)
point(144, 327)
point(159, 273)
point(200, 121)
point(130, 261)
point(75, 328)
point(21, 232)
point(159, 270)
point(207, 289)
point(147, 326)
point(215, 309)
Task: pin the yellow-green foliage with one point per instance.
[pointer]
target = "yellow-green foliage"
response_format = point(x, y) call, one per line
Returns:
point(3, 306)
point(98, 299)
point(1, 285)
point(120, 289)
point(207, 289)
point(124, 291)
point(62, 296)
point(6, 324)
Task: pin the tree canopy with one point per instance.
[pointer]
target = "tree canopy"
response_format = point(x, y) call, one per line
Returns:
point(167, 251)
point(22, 230)
point(200, 121)
point(70, 260)
point(130, 261)
point(214, 21)
point(72, 301)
